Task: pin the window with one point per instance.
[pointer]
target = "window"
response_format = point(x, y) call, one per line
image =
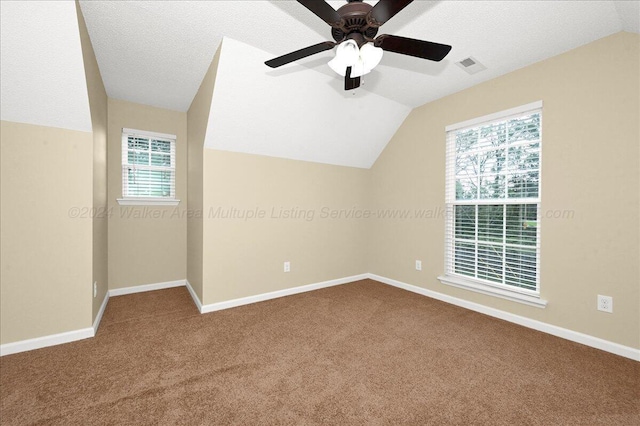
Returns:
point(493, 204)
point(148, 168)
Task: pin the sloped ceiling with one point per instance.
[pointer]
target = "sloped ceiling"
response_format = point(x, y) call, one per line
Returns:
point(315, 121)
point(43, 80)
point(157, 52)
point(629, 12)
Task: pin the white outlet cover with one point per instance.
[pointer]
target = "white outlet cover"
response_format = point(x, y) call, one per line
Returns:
point(418, 265)
point(605, 303)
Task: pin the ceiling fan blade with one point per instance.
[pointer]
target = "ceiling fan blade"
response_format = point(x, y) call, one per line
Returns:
point(387, 9)
point(412, 47)
point(351, 83)
point(323, 10)
point(299, 54)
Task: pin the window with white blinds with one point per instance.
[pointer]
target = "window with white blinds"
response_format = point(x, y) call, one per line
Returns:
point(148, 165)
point(493, 200)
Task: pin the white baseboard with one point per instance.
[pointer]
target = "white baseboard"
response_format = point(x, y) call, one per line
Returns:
point(194, 296)
point(71, 336)
point(56, 339)
point(84, 333)
point(45, 341)
point(146, 287)
point(574, 336)
point(276, 294)
point(96, 322)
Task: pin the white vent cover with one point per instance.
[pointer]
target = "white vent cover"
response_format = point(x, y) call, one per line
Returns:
point(471, 65)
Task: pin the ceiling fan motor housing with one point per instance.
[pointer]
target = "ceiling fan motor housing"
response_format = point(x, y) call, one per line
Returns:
point(354, 15)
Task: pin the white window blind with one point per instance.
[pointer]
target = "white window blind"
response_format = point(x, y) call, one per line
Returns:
point(493, 200)
point(148, 165)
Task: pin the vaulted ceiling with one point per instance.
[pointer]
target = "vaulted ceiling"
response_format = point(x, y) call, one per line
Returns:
point(42, 73)
point(157, 52)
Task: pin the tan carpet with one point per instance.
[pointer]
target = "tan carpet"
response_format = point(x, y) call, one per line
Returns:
point(360, 353)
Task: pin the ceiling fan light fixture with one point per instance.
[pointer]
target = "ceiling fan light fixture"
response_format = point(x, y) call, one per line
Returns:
point(371, 56)
point(348, 52)
point(366, 58)
point(338, 66)
point(359, 69)
point(347, 55)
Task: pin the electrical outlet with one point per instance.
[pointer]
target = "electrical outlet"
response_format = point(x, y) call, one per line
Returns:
point(418, 265)
point(605, 303)
point(95, 289)
point(287, 266)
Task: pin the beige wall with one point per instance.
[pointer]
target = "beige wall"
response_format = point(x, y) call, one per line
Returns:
point(244, 257)
point(98, 105)
point(197, 122)
point(590, 168)
point(45, 231)
point(147, 244)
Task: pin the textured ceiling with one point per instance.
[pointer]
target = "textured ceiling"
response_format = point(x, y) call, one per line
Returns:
point(41, 65)
point(629, 12)
point(156, 52)
point(317, 122)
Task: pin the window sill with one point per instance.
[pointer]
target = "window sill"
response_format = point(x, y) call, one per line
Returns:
point(147, 202)
point(479, 287)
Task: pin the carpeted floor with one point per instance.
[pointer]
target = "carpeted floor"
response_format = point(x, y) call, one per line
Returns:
point(360, 353)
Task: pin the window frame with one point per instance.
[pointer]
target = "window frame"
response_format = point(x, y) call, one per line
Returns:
point(501, 290)
point(126, 200)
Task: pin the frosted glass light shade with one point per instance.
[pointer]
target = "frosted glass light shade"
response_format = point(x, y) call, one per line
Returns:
point(358, 69)
point(347, 55)
point(361, 60)
point(371, 56)
point(338, 66)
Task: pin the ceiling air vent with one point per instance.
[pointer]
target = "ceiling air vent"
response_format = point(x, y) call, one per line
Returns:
point(471, 65)
point(467, 62)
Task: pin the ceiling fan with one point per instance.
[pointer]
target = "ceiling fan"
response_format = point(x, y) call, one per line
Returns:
point(354, 27)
